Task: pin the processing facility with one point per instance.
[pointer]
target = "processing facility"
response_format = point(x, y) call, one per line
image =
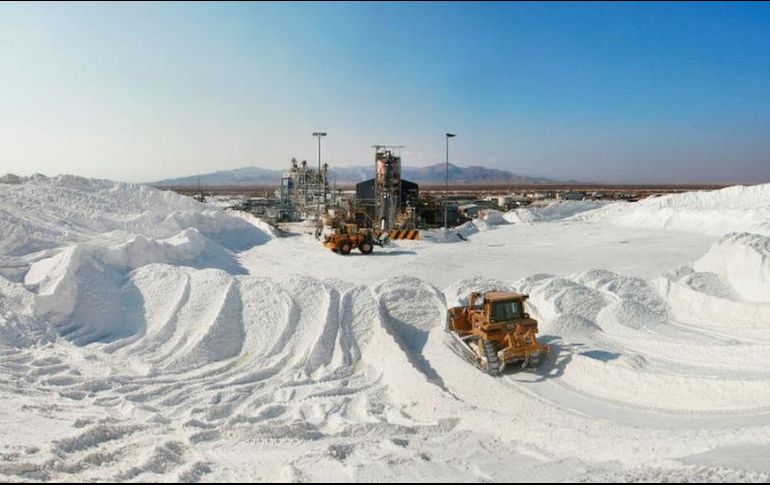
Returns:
point(388, 201)
point(304, 192)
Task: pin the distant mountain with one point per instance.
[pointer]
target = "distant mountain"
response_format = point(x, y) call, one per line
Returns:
point(475, 175)
point(238, 176)
point(433, 174)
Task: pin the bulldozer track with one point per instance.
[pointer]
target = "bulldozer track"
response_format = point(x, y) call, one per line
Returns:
point(494, 366)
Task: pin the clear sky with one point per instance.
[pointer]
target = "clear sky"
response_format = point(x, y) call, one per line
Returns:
point(606, 92)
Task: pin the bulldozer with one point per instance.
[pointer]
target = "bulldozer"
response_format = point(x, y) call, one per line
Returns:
point(349, 236)
point(494, 331)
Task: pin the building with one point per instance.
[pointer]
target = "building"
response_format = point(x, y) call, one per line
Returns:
point(572, 195)
point(469, 211)
point(409, 194)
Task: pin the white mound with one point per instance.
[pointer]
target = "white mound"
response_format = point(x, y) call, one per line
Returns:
point(743, 261)
point(44, 213)
point(734, 209)
point(459, 293)
point(73, 241)
point(550, 212)
point(85, 283)
point(486, 220)
point(631, 347)
point(492, 217)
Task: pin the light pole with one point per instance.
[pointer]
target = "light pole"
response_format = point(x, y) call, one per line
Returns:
point(446, 182)
point(319, 135)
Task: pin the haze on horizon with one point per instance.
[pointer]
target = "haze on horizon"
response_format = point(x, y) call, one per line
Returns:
point(617, 93)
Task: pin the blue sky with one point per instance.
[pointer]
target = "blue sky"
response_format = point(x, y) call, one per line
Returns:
point(631, 92)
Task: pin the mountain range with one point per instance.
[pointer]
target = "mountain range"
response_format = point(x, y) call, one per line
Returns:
point(429, 175)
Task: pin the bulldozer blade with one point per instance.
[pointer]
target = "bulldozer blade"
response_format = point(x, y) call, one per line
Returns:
point(538, 360)
point(461, 348)
point(534, 361)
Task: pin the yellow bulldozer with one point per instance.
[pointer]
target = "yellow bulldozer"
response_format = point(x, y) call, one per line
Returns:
point(350, 237)
point(494, 330)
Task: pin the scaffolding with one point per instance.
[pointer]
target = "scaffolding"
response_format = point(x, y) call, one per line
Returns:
point(304, 192)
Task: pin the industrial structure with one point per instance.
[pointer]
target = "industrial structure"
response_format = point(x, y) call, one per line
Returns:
point(385, 203)
point(304, 192)
point(388, 201)
point(384, 208)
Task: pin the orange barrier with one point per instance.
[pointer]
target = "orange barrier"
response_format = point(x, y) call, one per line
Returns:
point(412, 234)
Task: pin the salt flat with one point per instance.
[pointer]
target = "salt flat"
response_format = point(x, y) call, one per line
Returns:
point(146, 337)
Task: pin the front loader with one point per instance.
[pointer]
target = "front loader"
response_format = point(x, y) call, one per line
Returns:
point(350, 237)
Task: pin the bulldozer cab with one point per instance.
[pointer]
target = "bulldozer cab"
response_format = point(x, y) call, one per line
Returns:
point(505, 307)
point(503, 311)
point(351, 229)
